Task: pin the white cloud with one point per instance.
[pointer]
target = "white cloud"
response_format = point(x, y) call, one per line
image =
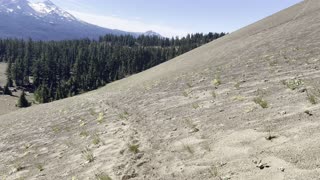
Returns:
point(132, 25)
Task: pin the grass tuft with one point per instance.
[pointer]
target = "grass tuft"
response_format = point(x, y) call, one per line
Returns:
point(96, 140)
point(134, 148)
point(263, 103)
point(213, 94)
point(100, 118)
point(293, 84)
point(102, 176)
point(84, 134)
point(40, 167)
point(87, 155)
point(312, 98)
point(195, 106)
point(188, 149)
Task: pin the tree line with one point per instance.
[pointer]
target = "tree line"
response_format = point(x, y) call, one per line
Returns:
point(58, 69)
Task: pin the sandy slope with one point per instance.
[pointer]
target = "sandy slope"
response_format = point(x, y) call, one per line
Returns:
point(186, 126)
point(7, 103)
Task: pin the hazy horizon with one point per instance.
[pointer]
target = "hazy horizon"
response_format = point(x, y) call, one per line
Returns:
point(173, 18)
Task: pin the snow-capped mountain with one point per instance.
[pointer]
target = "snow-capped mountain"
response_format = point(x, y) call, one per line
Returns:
point(151, 33)
point(44, 21)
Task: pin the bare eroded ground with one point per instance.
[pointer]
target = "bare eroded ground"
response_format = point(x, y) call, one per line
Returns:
point(7, 103)
point(242, 107)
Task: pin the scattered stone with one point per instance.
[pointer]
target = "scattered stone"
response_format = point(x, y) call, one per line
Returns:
point(130, 176)
point(223, 164)
point(302, 90)
point(175, 129)
point(142, 163)
point(122, 151)
point(308, 113)
point(283, 113)
point(194, 130)
point(282, 169)
point(260, 165)
point(270, 137)
point(139, 156)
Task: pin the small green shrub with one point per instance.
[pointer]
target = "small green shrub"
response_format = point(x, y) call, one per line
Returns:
point(18, 167)
point(188, 149)
point(263, 103)
point(216, 81)
point(87, 155)
point(312, 98)
point(213, 94)
point(293, 84)
point(84, 134)
point(102, 176)
point(185, 94)
point(237, 86)
point(214, 172)
point(100, 118)
point(195, 105)
point(96, 139)
point(134, 148)
point(40, 167)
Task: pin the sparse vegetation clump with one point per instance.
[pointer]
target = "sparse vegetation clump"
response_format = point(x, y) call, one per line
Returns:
point(263, 103)
point(40, 167)
point(185, 94)
point(312, 98)
point(100, 118)
point(217, 81)
point(102, 176)
point(124, 115)
point(214, 172)
point(293, 84)
point(213, 94)
point(84, 134)
point(96, 139)
point(18, 167)
point(237, 85)
point(188, 149)
point(134, 148)
point(195, 106)
point(87, 155)
point(189, 85)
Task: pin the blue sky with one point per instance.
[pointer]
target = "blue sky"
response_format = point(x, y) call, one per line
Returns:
point(173, 17)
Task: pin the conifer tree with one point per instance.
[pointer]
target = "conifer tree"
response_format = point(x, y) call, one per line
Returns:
point(23, 102)
point(6, 90)
point(58, 69)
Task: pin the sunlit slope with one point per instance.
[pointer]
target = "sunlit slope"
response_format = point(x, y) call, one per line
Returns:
point(242, 107)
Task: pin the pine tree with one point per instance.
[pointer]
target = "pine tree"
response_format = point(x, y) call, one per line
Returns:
point(7, 91)
point(10, 82)
point(23, 102)
point(56, 70)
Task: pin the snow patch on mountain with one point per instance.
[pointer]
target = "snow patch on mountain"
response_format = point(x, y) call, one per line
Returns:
point(151, 33)
point(46, 8)
point(42, 8)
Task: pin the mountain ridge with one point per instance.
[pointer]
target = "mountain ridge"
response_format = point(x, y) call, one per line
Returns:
point(45, 21)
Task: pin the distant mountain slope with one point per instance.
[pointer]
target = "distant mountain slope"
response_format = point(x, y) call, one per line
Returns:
point(45, 21)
